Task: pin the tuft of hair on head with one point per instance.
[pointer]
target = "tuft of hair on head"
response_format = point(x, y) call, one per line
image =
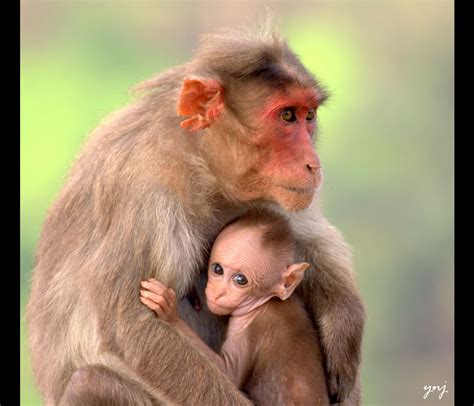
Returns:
point(277, 234)
point(245, 54)
point(259, 56)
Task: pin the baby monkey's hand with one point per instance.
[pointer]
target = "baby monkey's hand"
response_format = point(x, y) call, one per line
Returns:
point(160, 299)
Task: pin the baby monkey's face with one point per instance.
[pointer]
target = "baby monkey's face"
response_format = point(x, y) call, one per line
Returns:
point(242, 274)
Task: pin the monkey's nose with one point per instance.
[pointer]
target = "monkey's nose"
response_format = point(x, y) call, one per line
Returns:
point(317, 173)
point(218, 293)
point(313, 168)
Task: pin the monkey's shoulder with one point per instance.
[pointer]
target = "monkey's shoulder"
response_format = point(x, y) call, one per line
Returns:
point(288, 359)
point(283, 320)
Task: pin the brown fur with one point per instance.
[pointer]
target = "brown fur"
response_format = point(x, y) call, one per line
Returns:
point(144, 200)
point(288, 364)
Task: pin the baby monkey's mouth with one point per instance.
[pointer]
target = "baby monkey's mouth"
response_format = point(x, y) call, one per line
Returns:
point(214, 304)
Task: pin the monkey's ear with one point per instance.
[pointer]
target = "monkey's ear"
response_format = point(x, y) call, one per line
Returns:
point(290, 279)
point(202, 100)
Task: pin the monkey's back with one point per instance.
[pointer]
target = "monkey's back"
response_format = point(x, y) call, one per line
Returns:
point(288, 363)
point(86, 277)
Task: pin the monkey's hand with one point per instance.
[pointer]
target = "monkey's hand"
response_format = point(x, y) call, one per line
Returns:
point(160, 299)
point(341, 334)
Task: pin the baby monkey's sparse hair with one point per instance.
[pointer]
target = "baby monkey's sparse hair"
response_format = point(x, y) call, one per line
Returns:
point(277, 234)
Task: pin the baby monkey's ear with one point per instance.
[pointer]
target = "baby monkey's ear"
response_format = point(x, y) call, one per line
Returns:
point(290, 279)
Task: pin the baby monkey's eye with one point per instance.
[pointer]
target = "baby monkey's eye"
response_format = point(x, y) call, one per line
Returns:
point(289, 115)
point(240, 280)
point(217, 269)
point(310, 115)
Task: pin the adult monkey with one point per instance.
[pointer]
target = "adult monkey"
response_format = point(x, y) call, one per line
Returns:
point(146, 197)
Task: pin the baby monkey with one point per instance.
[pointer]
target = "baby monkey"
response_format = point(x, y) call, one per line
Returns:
point(271, 348)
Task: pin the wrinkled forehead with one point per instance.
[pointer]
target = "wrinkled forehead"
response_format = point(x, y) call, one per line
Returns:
point(237, 237)
point(240, 248)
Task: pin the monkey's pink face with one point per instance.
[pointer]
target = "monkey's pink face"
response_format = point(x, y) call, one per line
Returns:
point(276, 162)
point(289, 167)
point(226, 289)
point(241, 274)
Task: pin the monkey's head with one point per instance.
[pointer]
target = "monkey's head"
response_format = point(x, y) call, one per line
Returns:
point(252, 260)
point(254, 106)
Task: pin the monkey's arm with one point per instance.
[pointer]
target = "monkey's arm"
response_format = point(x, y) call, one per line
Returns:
point(197, 343)
point(184, 369)
point(332, 298)
point(162, 301)
point(226, 361)
point(170, 363)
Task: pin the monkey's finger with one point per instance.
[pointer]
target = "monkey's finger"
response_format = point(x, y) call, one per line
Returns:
point(170, 296)
point(158, 288)
point(150, 304)
point(154, 286)
point(156, 298)
point(168, 293)
point(155, 307)
point(156, 291)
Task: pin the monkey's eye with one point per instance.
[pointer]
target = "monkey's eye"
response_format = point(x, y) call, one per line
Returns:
point(310, 115)
point(288, 115)
point(240, 279)
point(217, 269)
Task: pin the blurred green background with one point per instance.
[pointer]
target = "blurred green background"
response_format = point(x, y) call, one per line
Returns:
point(386, 142)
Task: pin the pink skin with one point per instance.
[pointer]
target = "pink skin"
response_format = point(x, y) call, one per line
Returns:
point(237, 253)
point(291, 142)
point(202, 100)
point(291, 164)
point(289, 169)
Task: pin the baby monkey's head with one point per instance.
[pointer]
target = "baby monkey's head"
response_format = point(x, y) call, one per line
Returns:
point(252, 260)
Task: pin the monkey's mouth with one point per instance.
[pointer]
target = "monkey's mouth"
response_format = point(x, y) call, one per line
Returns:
point(216, 305)
point(299, 191)
point(216, 309)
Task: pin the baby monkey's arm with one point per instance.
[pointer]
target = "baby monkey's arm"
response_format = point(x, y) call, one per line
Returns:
point(162, 301)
